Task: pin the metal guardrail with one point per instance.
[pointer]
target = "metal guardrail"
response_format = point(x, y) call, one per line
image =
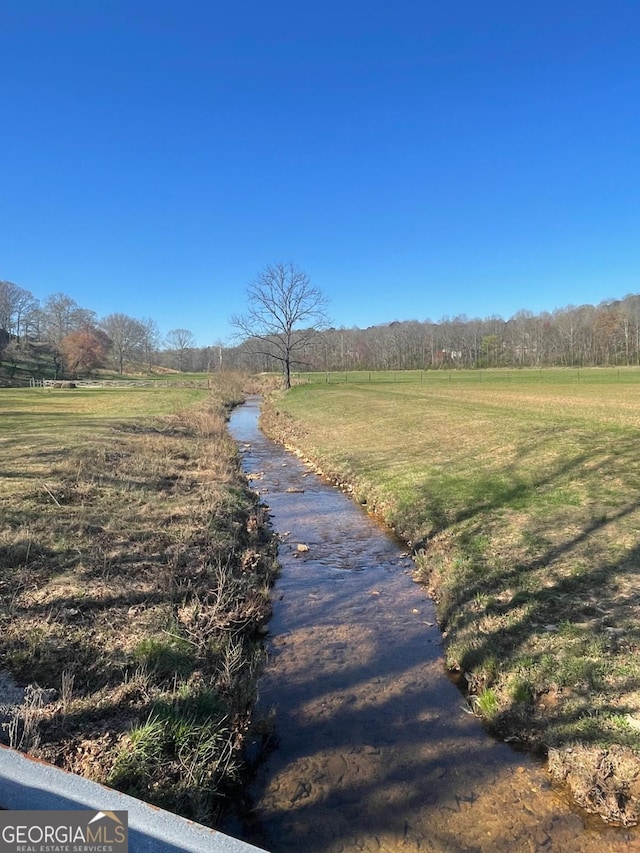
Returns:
point(28, 784)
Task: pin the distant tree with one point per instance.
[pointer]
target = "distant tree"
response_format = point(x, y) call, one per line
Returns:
point(127, 337)
point(43, 357)
point(5, 337)
point(150, 341)
point(180, 341)
point(217, 359)
point(15, 304)
point(30, 321)
point(520, 338)
point(200, 359)
point(13, 354)
point(7, 289)
point(284, 311)
point(85, 350)
point(62, 315)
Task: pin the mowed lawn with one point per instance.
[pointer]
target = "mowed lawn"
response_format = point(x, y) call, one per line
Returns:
point(33, 411)
point(520, 497)
point(41, 429)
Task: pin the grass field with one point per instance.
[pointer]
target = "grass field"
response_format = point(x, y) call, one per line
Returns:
point(501, 376)
point(520, 497)
point(36, 408)
point(135, 568)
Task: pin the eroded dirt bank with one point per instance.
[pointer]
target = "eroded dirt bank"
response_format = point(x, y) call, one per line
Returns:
point(373, 746)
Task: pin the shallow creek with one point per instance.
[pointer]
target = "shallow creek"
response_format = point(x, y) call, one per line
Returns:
point(375, 747)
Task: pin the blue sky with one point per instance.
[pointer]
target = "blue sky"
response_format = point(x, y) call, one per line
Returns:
point(417, 159)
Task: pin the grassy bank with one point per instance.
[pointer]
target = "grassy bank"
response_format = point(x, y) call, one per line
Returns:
point(135, 568)
point(520, 500)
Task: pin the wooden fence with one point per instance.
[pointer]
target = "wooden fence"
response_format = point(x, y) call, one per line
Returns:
point(120, 383)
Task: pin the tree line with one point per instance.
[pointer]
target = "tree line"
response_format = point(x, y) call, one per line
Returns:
point(76, 342)
point(575, 336)
point(58, 336)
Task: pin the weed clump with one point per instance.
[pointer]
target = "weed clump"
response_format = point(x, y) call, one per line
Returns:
point(180, 756)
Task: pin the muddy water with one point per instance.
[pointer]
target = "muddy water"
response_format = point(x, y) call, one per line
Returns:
point(376, 750)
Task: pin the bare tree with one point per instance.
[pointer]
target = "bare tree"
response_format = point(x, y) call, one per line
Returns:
point(13, 354)
point(15, 304)
point(520, 340)
point(62, 315)
point(150, 341)
point(127, 337)
point(180, 341)
point(220, 346)
point(284, 311)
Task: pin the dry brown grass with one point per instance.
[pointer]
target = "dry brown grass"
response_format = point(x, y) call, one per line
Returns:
point(135, 567)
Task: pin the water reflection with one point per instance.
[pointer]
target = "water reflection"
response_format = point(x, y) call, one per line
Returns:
point(376, 749)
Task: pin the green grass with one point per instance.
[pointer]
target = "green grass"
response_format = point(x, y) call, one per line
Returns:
point(37, 409)
point(189, 731)
point(520, 495)
point(166, 657)
point(46, 424)
point(499, 376)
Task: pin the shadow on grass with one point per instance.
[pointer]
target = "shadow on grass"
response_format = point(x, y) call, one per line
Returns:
point(548, 642)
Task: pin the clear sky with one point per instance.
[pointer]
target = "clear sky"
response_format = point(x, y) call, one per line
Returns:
point(419, 159)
